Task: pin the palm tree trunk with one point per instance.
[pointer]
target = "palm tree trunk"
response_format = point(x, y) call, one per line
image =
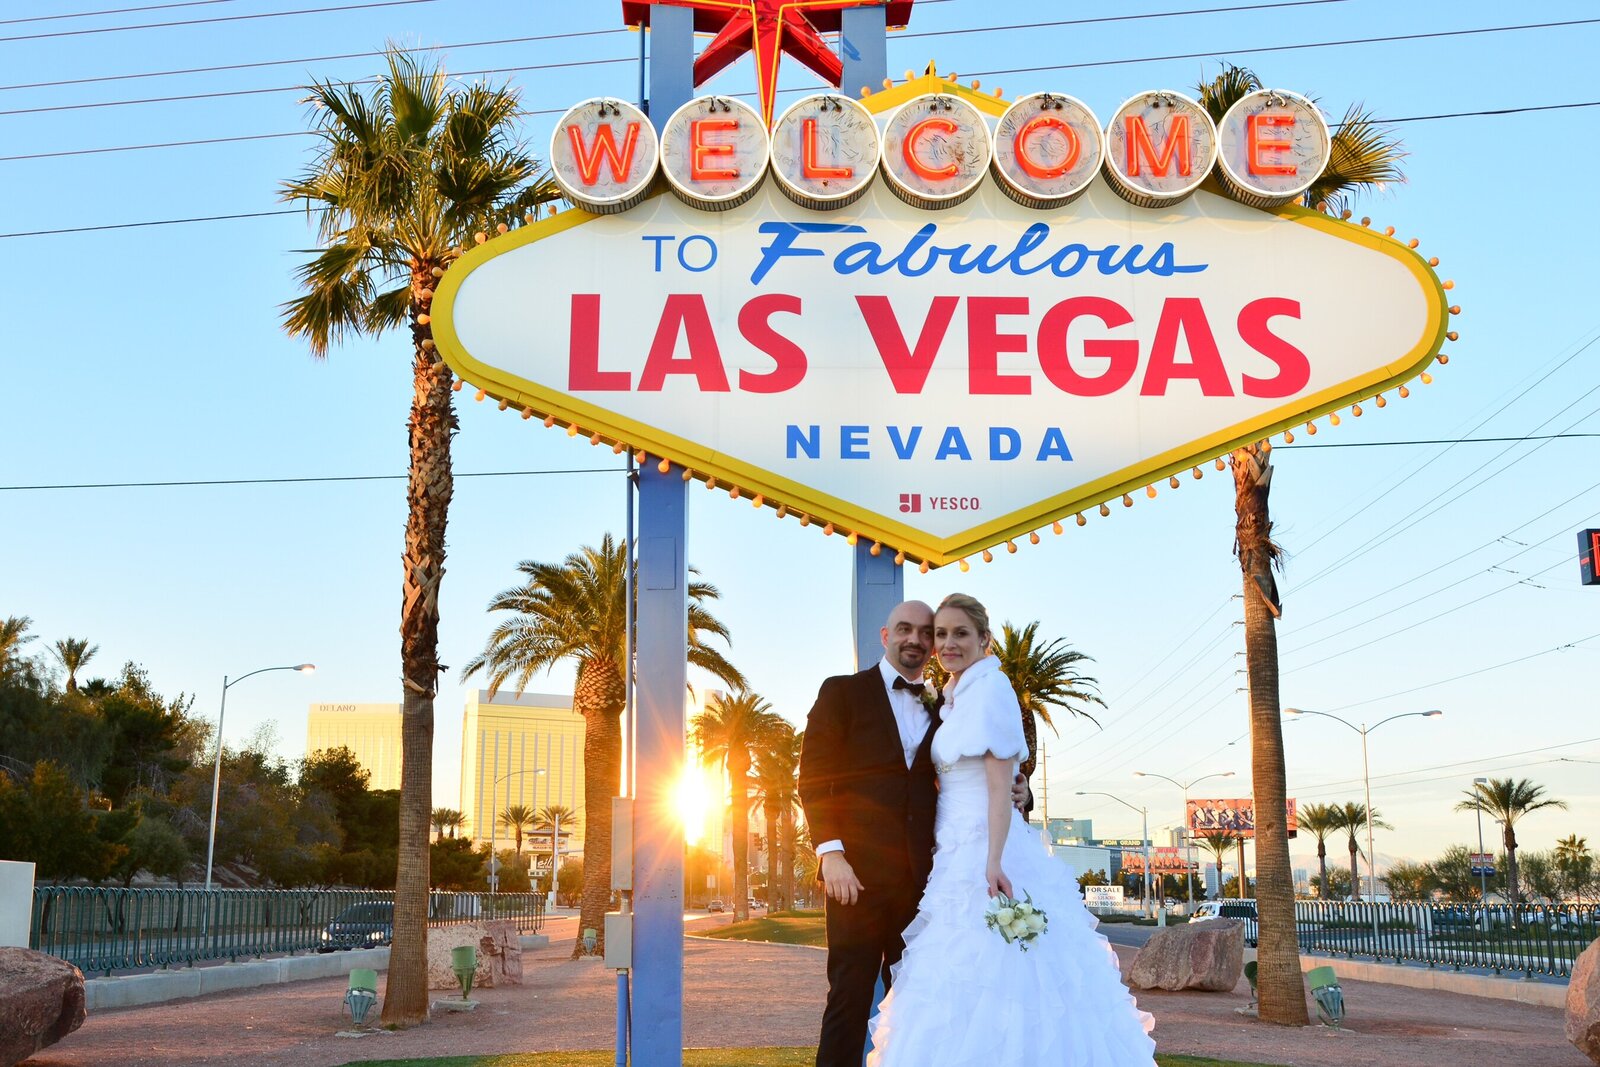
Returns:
point(1322, 869)
point(599, 696)
point(1355, 877)
point(769, 814)
point(1513, 883)
point(739, 779)
point(1280, 987)
point(786, 856)
point(428, 490)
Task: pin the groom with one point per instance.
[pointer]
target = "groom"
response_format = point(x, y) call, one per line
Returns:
point(868, 788)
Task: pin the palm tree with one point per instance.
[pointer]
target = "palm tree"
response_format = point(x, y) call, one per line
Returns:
point(776, 764)
point(74, 653)
point(552, 817)
point(1045, 676)
point(1218, 842)
point(577, 610)
point(1363, 156)
point(1576, 862)
point(1320, 821)
point(518, 818)
point(1352, 819)
point(13, 635)
point(446, 821)
point(1508, 799)
point(405, 172)
point(729, 732)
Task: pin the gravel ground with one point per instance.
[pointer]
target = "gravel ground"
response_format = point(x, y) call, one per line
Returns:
point(740, 994)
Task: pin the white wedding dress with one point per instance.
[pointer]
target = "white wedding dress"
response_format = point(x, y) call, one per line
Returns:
point(961, 996)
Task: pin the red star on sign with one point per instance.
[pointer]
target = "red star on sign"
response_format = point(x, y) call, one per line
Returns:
point(767, 28)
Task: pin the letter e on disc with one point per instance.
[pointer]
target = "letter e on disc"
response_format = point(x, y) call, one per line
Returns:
point(714, 152)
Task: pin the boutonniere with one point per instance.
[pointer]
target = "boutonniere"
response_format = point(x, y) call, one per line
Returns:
point(930, 696)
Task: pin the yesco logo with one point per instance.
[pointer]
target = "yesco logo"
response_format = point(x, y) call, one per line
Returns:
point(912, 503)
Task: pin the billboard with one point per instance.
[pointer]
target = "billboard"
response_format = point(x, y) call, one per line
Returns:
point(1235, 816)
point(933, 319)
point(1167, 859)
point(1589, 556)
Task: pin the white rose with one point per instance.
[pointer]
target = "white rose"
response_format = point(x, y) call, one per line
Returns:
point(1006, 916)
point(1025, 908)
point(1019, 928)
point(1036, 922)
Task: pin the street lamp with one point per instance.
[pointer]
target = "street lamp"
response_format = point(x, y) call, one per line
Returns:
point(1188, 836)
point(216, 771)
point(1366, 783)
point(1483, 868)
point(494, 860)
point(1144, 813)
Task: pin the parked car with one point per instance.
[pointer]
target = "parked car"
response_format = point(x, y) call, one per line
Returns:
point(716, 905)
point(754, 904)
point(360, 926)
point(1244, 910)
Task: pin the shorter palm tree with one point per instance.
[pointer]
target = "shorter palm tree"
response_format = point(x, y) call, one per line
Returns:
point(552, 817)
point(447, 822)
point(1352, 820)
point(73, 653)
point(776, 765)
point(729, 732)
point(518, 818)
point(1218, 843)
point(1576, 862)
point(1320, 821)
point(1508, 799)
point(13, 635)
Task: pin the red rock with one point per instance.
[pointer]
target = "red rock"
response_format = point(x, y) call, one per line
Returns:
point(1205, 955)
point(1583, 1003)
point(41, 1001)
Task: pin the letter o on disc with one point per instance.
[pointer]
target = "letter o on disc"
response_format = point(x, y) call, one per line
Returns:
point(936, 151)
point(1272, 145)
point(1159, 148)
point(714, 152)
point(1047, 150)
point(604, 154)
point(825, 151)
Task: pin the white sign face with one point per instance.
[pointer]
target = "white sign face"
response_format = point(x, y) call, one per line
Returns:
point(825, 151)
point(1159, 148)
point(1102, 895)
point(1273, 144)
point(938, 382)
point(714, 151)
point(603, 155)
point(1047, 149)
point(936, 150)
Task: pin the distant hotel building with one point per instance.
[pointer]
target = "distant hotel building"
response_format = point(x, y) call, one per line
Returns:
point(505, 742)
point(371, 731)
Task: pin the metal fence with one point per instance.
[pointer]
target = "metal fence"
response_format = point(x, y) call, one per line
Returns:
point(105, 929)
point(1530, 939)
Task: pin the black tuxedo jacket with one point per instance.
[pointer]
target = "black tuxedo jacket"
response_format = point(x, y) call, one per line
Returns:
point(855, 786)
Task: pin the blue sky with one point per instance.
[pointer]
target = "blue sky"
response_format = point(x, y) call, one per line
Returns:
point(1416, 574)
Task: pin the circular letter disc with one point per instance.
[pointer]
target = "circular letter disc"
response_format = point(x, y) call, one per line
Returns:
point(603, 155)
point(1159, 147)
point(936, 150)
point(714, 152)
point(1273, 145)
point(1047, 150)
point(824, 151)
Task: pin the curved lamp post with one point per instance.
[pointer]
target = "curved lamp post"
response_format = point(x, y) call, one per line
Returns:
point(216, 771)
point(1144, 813)
point(1188, 836)
point(494, 820)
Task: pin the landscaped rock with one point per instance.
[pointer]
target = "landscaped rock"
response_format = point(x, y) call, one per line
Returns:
point(41, 1001)
point(1583, 1003)
point(499, 948)
point(1205, 955)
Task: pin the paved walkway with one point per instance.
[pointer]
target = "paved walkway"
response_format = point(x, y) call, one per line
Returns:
point(743, 995)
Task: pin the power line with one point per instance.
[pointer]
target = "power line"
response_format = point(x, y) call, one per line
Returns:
point(113, 11)
point(303, 481)
point(1457, 763)
point(219, 18)
point(1441, 441)
point(1468, 674)
point(164, 144)
point(157, 222)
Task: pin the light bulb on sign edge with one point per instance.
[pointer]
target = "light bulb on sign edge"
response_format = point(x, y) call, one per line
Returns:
point(711, 482)
point(527, 413)
point(594, 439)
point(783, 510)
point(455, 386)
point(805, 520)
point(1173, 481)
point(480, 395)
point(1455, 309)
point(988, 557)
point(899, 559)
point(827, 531)
point(757, 501)
point(641, 457)
point(1443, 359)
point(688, 474)
point(1380, 401)
point(1221, 466)
point(922, 568)
point(1333, 418)
point(1033, 537)
point(504, 403)
point(1453, 335)
point(503, 228)
point(1127, 501)
point(665, 466)
point(1011, 548)
point(1288, 437)
point(1426, 378)
point(1404, 392)
point(1311, 428)
point(1355, 409)
point(1080, 520)
point(480, 237)
point(1447, 284)
point(851, 539)
point(618, 448)
point(1105, 512)
point(1150, 491)
point(733, 493)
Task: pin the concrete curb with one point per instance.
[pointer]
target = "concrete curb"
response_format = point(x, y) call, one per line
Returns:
point(1542, 994)
point(135, 990)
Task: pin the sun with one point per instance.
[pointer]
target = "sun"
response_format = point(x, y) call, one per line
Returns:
point(694, 802)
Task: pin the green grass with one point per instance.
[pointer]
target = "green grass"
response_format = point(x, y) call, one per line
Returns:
point(717, 1057)
point(785, 928)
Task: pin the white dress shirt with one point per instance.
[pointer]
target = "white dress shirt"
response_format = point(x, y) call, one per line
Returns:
point(910, 716)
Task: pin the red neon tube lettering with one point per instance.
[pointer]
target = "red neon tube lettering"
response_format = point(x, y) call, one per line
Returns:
point(810, 165)
point(1036, 125)
point(605, 143)
point(909, 150)
point(1140, 147)
point(700, 152)
point(1257, 144)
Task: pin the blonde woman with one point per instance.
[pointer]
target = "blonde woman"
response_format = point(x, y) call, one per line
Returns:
point(962, 995)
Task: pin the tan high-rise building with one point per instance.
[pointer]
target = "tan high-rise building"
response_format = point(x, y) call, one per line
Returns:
point(525, 749)
point(371, 731)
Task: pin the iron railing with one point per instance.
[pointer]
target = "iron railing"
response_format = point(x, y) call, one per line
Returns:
point(1529, 939)
point(104, 929)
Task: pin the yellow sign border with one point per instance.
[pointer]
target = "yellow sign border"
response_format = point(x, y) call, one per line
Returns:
point(590, 419)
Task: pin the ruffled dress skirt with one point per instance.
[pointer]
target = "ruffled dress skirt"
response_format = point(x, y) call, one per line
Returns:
point(963, 997)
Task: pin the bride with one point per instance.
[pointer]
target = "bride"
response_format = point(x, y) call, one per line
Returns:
point(962, 996)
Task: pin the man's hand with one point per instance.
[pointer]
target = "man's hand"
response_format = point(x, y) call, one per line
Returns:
point(839, 878)
point(1020, 794)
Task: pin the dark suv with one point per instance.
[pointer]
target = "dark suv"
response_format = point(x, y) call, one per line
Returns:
point(360, 926)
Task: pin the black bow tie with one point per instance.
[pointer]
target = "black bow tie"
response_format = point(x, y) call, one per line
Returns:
point(916, 688)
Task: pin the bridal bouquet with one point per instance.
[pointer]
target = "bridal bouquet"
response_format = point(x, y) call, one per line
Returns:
point(1016, 920)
